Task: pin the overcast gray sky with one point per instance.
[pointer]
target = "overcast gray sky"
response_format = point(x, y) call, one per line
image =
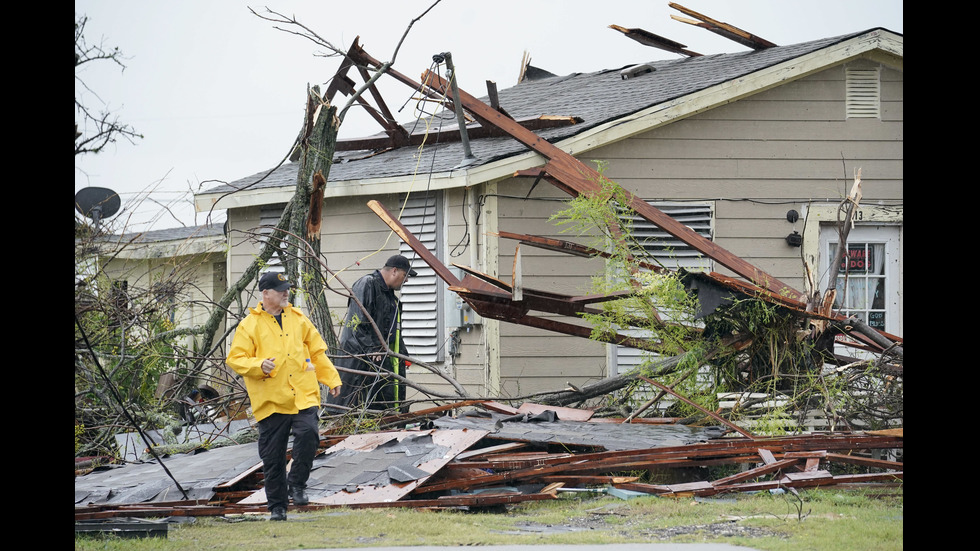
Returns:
point(219, 93)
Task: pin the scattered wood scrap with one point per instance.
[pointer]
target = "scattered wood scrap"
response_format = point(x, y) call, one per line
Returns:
point(472, 467)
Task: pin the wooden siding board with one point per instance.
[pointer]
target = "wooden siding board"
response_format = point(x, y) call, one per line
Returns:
point(534, 207)
point(698, 128)
point(781, 110)
point(514, 387)
point(556, 366)
point(738, 210)
point(549, 346)
point(655, 150)
point(754, 228)
point(757, 247)
point(720, 169)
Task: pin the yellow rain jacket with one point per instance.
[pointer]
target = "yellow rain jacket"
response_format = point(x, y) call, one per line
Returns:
point(289, 387)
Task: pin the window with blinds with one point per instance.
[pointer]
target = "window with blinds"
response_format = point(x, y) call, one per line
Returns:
point(421, 299)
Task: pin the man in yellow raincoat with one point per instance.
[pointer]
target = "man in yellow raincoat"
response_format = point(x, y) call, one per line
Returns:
point(282, 357)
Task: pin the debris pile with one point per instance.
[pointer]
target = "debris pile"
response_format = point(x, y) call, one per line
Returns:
point(492, 455)
point(481, 453)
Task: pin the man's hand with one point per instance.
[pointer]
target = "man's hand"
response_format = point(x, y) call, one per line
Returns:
point(268, 365)
point(335, 391)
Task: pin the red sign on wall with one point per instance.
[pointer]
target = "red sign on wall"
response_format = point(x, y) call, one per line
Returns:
point(859, 259)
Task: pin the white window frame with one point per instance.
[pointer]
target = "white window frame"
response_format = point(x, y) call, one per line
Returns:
point(819, 222)
point(865, 271)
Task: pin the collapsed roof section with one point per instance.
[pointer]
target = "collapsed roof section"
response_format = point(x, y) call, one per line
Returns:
point(477, 459)
point(511, 302)
point(639, 105)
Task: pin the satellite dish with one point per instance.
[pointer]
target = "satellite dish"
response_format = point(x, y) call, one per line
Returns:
point(97, 203)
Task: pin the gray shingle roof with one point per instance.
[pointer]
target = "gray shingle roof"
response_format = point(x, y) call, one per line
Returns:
point(596, 98)
point(170, 234)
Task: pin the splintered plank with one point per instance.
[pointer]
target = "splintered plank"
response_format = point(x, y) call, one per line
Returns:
point(490, 450)
point(730, 32)
point(768, 468)
point(866, 461)
point(573, 480)
point(648, 38)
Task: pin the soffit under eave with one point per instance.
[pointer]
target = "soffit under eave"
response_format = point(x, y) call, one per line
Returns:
point(886, 58)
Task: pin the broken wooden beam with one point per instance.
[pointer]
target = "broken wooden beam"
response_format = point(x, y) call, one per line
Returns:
point(450, 134)
point(582, 179)
point(647, 38)
point(730, 32)
point(711, 414)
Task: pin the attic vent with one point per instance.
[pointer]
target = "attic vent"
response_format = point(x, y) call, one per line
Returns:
point(863, 91)
point(635, 71)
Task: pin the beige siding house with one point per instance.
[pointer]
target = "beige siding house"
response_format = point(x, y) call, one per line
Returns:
point(729, 144)
point(193, 257)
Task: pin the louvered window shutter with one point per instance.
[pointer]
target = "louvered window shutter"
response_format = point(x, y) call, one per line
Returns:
point(669, 252)
point(419, 295)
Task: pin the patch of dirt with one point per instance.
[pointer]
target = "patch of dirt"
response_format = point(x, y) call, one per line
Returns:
point(721, 529)
point(714, 530)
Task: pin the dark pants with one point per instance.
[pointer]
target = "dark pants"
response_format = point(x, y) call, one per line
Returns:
point(274, 433)
point(375, 393)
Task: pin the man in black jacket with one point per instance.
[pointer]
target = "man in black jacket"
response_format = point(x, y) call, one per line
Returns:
point(362, 348)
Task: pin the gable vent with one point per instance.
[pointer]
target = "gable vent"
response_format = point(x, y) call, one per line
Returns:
point(863, 93)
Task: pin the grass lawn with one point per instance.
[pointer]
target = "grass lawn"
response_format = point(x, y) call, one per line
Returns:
point(834, 518)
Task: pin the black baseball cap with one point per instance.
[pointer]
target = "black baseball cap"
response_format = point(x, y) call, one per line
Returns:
point(402, 263)
point(277, 281)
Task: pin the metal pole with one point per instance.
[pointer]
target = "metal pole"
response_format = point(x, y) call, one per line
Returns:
point(460, 119)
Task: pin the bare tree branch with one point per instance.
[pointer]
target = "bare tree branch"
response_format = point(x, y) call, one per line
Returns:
point(97, 129)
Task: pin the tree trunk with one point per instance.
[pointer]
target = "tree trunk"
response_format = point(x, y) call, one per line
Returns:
point(317, 148)
point(213, 322)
